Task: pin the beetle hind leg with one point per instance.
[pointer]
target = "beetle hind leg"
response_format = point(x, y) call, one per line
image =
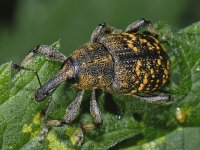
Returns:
point(103, 28)
point(161, 98)
point(135, 26)
point(94, 109)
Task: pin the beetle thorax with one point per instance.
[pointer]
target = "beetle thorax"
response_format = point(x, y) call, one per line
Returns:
point(93, 66)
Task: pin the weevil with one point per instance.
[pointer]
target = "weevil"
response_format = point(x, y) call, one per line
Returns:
point(126, 63)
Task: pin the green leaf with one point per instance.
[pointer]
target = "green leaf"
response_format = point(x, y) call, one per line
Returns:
point(5, 75)
point(181, 138)
point(113, 131)
point(128, 123)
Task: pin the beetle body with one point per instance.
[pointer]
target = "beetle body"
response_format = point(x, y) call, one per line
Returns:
point(126, 63)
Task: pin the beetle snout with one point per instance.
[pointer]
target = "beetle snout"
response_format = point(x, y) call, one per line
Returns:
point(40, 95)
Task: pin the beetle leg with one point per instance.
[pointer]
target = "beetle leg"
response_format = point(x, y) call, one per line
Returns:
point(103, 28)
point(94, 109)
point(100, 29)
point(71, 112)
point(48, 51)
point(135, 26)
point(158, 99)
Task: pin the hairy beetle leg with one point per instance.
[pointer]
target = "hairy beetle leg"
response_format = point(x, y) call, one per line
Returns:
point(94, 109)
point(135, 26)
point(48, 51)
point(158, 99)
point(71, 112)
point(100, 29)
point(103, 28)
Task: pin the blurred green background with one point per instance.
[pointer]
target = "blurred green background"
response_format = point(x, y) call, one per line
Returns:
point(27, 23)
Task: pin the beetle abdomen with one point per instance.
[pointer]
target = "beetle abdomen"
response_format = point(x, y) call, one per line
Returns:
point(140, 62)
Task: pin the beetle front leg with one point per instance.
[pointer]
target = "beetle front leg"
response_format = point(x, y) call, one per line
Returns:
point(94, 109)
point(135, 26)
point(71, 112)
point(48, 51)
point(158, 99)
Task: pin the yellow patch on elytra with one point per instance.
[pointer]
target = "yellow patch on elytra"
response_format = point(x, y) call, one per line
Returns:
point(164, 76)
point(154, 89)
point(133, 37)
point(166, 72)
point(141, 87)
point(135, 49)
point(147, 89)
point(139, 63)
point(114, 42)
point(155, 40)
point(125, 85)
point(133, 78)
point(145, 81)
point(148, 66)
point(160, 57)
point(167, 62)
point(138, 72)
point(125, 39)
point(54, 143)
point(150, 48)
point(157, 47)
point(149, 44)
point(152, 71)
point(130, 45)
point(129, 42)
point(27, 128)
point(132, 92)
point(164, 81)
point(159, 62)
point(143, 40)
point(83, 65)
point(137, 82)
point(37, 118)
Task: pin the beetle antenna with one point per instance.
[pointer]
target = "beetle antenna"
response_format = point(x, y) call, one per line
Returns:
point(16, 66)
